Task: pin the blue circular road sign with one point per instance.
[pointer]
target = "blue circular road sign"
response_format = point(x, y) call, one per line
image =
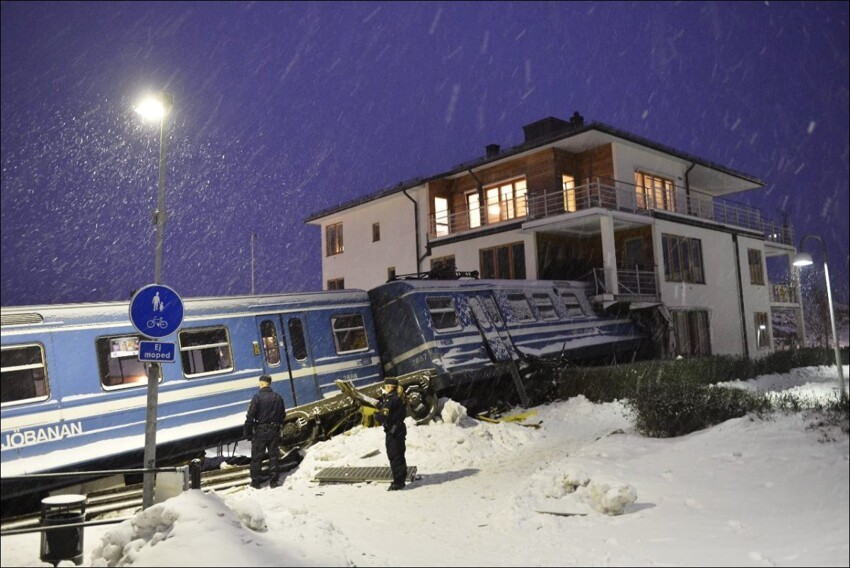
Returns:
point(156, 310)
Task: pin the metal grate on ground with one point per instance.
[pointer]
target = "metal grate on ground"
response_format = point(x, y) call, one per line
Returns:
point(359, 474)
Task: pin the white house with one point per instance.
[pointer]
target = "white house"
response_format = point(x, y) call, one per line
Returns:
point(647, 224)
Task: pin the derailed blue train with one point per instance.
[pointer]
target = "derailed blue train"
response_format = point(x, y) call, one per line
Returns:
point(74, 391)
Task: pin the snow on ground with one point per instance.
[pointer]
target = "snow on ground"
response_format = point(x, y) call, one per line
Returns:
point(748, 492)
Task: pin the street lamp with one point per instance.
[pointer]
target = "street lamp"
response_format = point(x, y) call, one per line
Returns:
point(155, 107)
point(805, 259)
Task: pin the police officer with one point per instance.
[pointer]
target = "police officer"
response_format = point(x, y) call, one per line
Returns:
point(262, 428)
point(392, 412)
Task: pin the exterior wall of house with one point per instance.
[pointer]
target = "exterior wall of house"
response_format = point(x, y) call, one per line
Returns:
point(467, 255)
point(719, 296)
point(364, 263)
point(756, 296)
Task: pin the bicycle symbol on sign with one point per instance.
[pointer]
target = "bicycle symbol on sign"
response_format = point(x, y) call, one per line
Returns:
point(157, 321)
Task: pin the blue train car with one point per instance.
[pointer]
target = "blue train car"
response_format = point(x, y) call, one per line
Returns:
point(74, 392)
point(472, 330)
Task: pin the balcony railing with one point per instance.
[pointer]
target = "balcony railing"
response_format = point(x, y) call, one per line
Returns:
point(783, 294)
point(614, 195)
point(632, 283)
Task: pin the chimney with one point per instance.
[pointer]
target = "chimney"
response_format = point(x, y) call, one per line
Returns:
point(551, 126)
point(492, 150)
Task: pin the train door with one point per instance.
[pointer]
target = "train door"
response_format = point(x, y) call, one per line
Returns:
point(485, 315)
point(286, 357)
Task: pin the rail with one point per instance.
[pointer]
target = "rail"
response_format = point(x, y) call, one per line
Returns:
point(632, 283)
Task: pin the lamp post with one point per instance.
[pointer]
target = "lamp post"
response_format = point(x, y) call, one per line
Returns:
point(155, 107)
point(805, 259)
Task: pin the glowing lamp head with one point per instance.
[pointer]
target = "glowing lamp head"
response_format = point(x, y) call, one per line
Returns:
point(155, 107)
point(802, 259)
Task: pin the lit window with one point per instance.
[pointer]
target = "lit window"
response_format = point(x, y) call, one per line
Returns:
point(441, 216)
point(333, 234)
point(762, 333)
point(654, 192)
point(569, 184)
point(118, 362)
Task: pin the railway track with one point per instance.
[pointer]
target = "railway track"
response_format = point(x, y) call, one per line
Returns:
point(105, 503)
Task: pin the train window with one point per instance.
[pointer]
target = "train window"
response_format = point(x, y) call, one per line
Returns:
point(23, 374)
point(443, 313)
point(270, 345)
point(544, 306)
point(205, 351)
point(572, 304)
point(520, 307)
point(299, 342)
point(118, 362)
point(349, 333)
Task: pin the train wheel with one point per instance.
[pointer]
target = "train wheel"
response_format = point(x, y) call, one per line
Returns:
point(421, 405)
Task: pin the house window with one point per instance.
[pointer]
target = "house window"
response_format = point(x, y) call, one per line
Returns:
point(376, 232)
point(205, 351)
point(756, 267)
point(762, 333)
point(390, 273)
point(441, 216)
point(443, 313)
point(118, 362)
point(505, 262)
point(349, 334)
point(569, 185)
point(336, 284)
point(520, 307)
point(333, 234)
point(654, 192)
point(24, 374)
point(473, 206)
point(544, 305)
point(504, 201)
point(692, 334)
point(682, 259)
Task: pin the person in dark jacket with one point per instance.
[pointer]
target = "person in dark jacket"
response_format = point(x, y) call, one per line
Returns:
point(391, 414)
point(262, 428)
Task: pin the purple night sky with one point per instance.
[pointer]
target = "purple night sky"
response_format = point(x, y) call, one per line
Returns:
point(284, 109)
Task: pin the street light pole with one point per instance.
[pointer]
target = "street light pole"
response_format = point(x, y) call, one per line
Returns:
point(805, 259)
point(253, 240)
point(156, 107)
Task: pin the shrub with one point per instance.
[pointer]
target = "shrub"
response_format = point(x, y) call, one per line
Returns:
point(681, 407)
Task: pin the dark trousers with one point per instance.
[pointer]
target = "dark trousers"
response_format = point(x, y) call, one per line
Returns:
point(395, 451)
point(266, 439)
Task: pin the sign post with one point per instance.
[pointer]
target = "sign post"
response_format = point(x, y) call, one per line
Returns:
point(155, 311)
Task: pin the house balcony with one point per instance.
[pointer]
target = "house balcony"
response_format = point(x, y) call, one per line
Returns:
point(633, 285)
point(611, 195)
point(784, 294)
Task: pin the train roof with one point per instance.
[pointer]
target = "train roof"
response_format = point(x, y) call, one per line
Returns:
point(482, 284)
point(118, 312)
